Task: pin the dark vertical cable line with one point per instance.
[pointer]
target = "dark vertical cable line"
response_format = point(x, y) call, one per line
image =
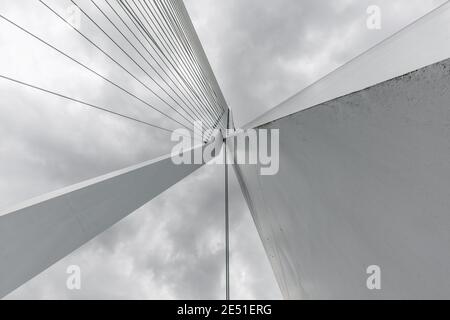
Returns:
point(133, 18)
point(162, 78)
point(227, 216)
point(187, 42)
point(156, 33)
point(194, 61)
point(112, 59)
point(157, 50)
point(179, 6)
point(157, 72)
point(175, 29)
point(171, 47)
point(182, 64)
point(138, 65)
point(177, 57)
point(91, 70)
point(200, 54)
point(200, 51)
point(179, 49)
point(219, 109)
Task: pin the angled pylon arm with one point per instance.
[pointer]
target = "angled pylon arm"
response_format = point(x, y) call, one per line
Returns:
point(40, 232)
point(359, 208)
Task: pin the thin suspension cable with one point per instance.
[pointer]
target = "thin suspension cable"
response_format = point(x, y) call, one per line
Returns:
point(186, 58)
point(159, 52)
point(186, 98)
point(179, 30)
point(145, 48)
point(197, 47)
point(162, 78)
point(165, 43)
point(103, 109)
point(174, 30)
point(171, 40)
point(172, 44)
point(112, 59)
point(179, 6)
point(194, 56)
point(134, 16)
point(208, 68)
point(180, 55)
point(227, 217)
point(138, 65)
point(199, 75)
point(88, 68)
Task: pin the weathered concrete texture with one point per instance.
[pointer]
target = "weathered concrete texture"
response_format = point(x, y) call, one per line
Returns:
point(364, 180)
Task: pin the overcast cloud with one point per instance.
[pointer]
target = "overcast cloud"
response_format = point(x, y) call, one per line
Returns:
point(262, 51)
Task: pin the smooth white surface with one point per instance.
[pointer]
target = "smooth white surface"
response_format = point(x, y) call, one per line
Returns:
point(364, 180)
point(38, 233)
point(424, 42)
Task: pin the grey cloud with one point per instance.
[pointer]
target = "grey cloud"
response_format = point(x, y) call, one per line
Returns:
point(257, 45)
point(261, 51)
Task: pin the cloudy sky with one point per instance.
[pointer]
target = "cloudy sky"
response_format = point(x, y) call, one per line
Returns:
point(262, 51)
